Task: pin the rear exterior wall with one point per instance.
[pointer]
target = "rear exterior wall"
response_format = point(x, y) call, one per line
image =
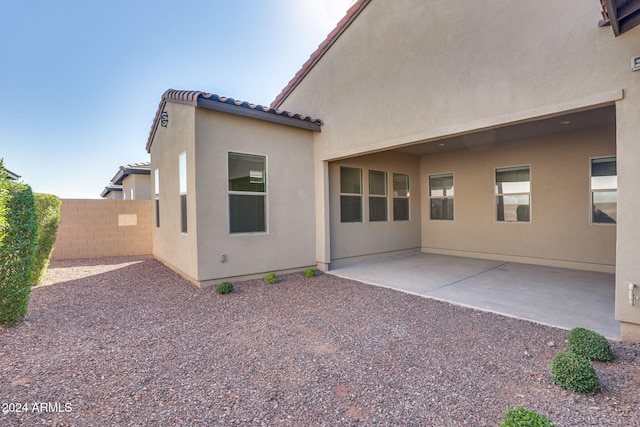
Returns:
point(357, 241)
point(289, 242)
point(170, 245)
point(559, 232)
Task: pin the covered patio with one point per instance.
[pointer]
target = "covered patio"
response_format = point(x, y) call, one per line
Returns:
point(558, 297)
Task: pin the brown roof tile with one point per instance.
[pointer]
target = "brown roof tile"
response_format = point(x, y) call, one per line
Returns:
point(192, 97)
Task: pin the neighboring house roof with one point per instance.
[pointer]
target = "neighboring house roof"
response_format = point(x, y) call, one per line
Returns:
point(12, 175)
point(229, 105)
point(623, 15)
point(110, 188)
point(334, 35)
point(132, 169)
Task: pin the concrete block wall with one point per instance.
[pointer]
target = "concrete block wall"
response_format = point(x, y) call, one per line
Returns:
point(101, 228)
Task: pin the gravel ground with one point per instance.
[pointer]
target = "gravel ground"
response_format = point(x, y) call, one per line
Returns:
point(127, 342)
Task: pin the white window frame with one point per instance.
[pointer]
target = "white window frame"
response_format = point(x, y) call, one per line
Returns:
point(497, 194)
point(445, 196)
point(384, 196)
point(600, 190)
point(360, 195)
point(156, 187)
point(182, 182)
point(395, 196)
point(249, 193)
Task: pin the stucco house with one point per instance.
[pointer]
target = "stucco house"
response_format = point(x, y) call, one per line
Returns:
point(131, 182)
point(466, 128)
point(11, 175)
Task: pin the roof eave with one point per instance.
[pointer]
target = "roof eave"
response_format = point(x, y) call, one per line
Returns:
point(257, 114)
point(108, 189)
point(623, 18)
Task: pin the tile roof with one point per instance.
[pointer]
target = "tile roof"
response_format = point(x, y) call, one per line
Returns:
point(230, 105)
point(132, 169)
point(110, 188)
point(12, 175)
point(344, 23)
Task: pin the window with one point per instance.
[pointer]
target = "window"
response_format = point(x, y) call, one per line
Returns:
point(441, 196)
point(350, 194)
point(182, 168)
point(604, 191)
point(156, 185)
point(513, 194)
point(247, 193)
point(400, 197)
point(378, 196)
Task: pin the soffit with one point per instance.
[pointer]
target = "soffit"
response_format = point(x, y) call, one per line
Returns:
point(599, 117)
point(622, 14)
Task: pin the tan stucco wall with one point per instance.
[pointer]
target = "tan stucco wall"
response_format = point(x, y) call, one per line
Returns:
point(138, 185)
point(413, 75)
point(559, 233)
point(169, 243)
point(418, 70)
point(353, 242)
point(102, 228)
point(114, 195)
point(289, 242)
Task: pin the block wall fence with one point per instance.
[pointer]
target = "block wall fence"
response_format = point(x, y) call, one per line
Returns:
point(102, 228)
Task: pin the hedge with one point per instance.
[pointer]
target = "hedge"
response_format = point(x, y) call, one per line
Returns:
point(3, 201)
point(17, 255)
point(48, 218)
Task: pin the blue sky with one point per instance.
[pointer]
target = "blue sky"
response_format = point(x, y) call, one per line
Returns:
point(81, 80)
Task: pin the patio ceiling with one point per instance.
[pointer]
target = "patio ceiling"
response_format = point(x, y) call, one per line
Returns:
point(599, 117)
point(623, 14)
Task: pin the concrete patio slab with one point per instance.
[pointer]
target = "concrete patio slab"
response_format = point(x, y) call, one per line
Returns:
point(555, 296)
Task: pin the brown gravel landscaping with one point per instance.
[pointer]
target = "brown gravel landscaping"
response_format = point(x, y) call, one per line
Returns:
point(128, 342)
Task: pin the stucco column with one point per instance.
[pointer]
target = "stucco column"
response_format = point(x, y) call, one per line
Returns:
point(628, 223)
point(323, 221)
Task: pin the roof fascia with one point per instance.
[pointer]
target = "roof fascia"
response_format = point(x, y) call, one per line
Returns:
point(125, 172)
point(257, 114)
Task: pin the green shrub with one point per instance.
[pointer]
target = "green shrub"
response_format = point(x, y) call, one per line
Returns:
point(48, 218)
point(17, 255)
point(521, 417)
point(572, 372)
point(589, 344)
point(3, 201)
point(310, 272)
point(224, 288)
point(270, 278)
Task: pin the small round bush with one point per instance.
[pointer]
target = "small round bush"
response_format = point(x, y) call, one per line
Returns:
point(521, 417)
point(310, 272)
point(589, 344)
point(572, 372)
point(270, 278)
point(224, 288)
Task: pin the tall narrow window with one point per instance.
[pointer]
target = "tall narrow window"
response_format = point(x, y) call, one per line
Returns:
point(156, 186)
point(247, 193)
point(441, 196)
point(350, 194)
point(378, 196)
point(513, 194)
point(183, 191)
point(604, 191)
point(400, 197)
